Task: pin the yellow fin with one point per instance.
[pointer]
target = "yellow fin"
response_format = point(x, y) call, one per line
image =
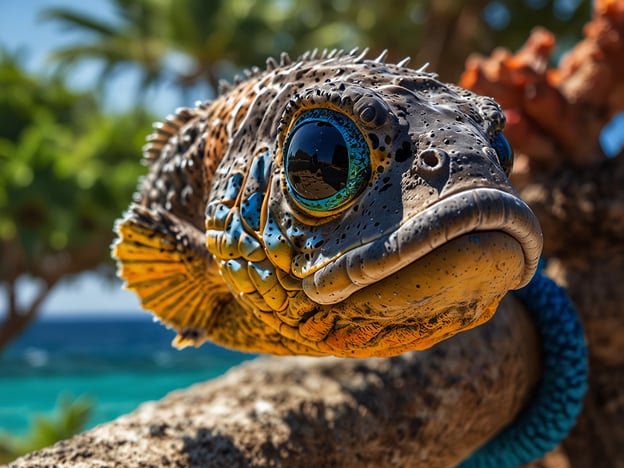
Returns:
point(163, 259)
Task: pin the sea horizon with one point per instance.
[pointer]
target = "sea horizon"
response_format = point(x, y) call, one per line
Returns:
point(117, 360)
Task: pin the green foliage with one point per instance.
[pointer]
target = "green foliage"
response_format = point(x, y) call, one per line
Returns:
point(186, 42)
point(70, 418)
point(66, 169)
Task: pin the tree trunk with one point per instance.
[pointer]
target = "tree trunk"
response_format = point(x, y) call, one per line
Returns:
point(48, 268)
point(17, 319)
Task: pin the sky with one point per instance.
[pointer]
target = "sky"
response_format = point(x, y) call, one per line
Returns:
point(21, 29)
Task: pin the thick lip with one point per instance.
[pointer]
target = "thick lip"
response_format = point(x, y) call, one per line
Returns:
point(479, 209)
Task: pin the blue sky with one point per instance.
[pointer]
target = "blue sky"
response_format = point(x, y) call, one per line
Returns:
point(21, 29)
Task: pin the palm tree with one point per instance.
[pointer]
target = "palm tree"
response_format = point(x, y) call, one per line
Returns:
point(183, 43)
point(189, 42)
point(137, 39)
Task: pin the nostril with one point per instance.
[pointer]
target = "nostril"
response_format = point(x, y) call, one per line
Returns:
point(432, 159)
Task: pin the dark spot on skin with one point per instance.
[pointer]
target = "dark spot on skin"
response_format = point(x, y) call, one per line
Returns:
point(404, 152)
point(374, 140)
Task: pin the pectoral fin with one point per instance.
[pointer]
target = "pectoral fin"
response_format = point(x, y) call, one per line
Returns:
point(163, 259)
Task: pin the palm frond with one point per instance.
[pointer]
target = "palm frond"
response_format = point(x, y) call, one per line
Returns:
point(77, 21)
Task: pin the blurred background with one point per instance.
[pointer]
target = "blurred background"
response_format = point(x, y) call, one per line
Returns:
point(80, 84)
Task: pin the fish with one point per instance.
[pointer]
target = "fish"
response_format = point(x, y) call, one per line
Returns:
point(331, 204)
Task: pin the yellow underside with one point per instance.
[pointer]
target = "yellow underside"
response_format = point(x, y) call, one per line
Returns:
point(454, 288)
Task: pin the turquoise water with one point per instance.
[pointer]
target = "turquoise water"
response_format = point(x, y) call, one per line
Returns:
point(117, 362)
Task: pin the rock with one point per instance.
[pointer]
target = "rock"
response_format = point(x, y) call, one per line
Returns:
point(429, 408)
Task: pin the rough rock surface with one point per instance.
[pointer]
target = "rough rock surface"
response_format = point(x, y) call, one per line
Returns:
point(428, 408)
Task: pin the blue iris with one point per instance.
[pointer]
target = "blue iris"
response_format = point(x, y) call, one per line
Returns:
point(326, 160)
point(504, 151)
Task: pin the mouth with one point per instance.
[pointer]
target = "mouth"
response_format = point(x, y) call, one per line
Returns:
point(478, 210)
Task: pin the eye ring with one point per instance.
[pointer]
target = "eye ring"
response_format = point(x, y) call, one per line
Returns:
point(504, 151)
point(326, 161)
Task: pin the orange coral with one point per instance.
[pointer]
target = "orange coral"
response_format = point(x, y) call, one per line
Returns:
point(555, 115)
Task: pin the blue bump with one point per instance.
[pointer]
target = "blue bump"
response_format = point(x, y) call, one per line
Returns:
point(233, 231)
point(503, 151)
point(235, 265)
point(251, 210)
point(233, 187)
point(234, 226)
point(221, 212)
point(271, 234)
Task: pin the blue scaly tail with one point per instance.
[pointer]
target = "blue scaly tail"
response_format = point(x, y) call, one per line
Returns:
point(558, 400)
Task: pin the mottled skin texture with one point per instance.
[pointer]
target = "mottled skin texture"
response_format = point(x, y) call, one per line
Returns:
point(219, 248)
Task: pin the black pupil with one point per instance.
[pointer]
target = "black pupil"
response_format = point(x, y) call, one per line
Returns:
point(318, 160)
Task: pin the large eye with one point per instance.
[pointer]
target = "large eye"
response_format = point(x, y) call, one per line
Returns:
point(327, 160)
point(504, 151)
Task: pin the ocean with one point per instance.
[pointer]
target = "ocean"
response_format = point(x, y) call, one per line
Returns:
point(115, 361)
